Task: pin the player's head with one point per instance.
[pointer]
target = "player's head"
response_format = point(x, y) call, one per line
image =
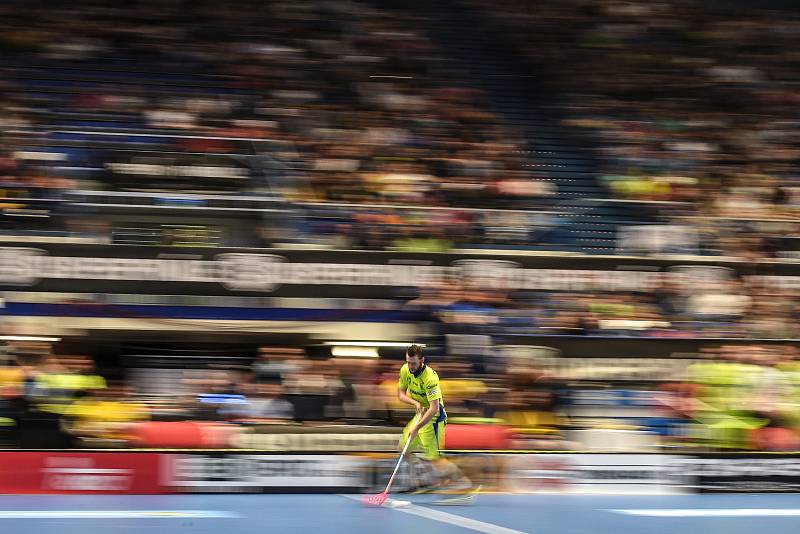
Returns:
point(414, 358)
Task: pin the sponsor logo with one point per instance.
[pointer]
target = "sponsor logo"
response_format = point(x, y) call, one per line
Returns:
point(315, 442)
point(196, 171)
point(265, 272)
point(80, 474)
point(738, 467)
point(87, 482)
point(253, 471)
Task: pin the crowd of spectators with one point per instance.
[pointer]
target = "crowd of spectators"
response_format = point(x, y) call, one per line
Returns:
point(728, 397)
point(689, 107)
point(356, 102)
point(750, 307)
point(64, 400)
point(739, 397)
point(378, 147)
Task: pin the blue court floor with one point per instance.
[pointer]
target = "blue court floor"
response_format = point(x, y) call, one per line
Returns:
point(338, 514)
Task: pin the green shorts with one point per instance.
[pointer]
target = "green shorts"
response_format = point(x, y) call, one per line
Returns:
point(430, 438)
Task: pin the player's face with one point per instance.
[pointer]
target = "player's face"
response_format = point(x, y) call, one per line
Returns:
point(414, 363)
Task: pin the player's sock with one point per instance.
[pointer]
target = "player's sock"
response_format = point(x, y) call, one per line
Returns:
point(451, 479)
point(446, 470)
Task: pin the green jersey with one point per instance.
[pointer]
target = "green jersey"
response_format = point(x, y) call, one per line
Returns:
point(423, 388)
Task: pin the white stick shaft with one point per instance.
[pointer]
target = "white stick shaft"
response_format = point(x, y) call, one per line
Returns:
point(399, 461)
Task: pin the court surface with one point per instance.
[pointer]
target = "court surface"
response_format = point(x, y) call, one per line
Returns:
point(342, 514)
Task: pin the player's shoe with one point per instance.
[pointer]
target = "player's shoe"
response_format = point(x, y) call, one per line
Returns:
point(459, 500)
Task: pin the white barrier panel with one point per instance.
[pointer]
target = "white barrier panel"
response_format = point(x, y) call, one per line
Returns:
point(594, 473)
point(253, 473)
point(318, 442)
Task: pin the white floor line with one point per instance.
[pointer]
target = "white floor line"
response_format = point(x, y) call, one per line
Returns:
point(112, 514)
point(713, 512)
point(452, 519)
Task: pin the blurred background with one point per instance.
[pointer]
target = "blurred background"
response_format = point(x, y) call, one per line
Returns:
point(222, 223)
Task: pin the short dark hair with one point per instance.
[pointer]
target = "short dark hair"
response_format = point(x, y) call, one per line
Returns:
point(415, 350)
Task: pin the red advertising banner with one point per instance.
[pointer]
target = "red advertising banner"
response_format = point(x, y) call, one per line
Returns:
point(79, 472)
point(477, 437)
point(183, 435)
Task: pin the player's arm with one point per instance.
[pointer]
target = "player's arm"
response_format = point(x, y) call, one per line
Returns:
point(429, 414)
point(402, 390)
point(433, 393)
point(402, 394)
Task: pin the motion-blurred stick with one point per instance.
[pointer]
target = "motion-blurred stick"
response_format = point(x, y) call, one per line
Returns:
point(379, 499)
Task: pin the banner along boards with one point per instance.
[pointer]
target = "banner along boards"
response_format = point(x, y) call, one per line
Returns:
point(346, 274)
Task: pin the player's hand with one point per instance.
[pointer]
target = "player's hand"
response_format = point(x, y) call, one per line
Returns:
point(419, 408)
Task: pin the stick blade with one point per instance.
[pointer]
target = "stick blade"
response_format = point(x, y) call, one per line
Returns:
point(374, 500)
point(461, 500)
